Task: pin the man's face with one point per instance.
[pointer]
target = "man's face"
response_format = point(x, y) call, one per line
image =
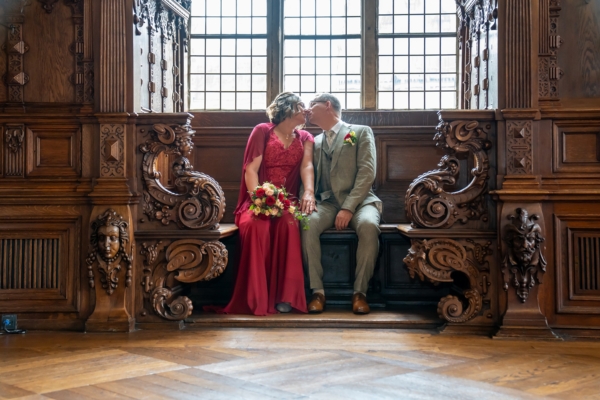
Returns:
point(108, 241)
point(316, 111)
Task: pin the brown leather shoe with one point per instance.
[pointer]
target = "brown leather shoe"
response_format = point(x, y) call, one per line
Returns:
point(359, 304)
point(317, 303)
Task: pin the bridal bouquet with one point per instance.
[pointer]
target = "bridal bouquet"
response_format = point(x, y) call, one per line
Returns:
point(269, 200)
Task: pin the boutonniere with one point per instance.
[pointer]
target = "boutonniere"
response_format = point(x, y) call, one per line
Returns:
point(350, 138)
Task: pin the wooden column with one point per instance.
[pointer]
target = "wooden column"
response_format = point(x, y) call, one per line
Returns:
point(521, 222)
point(111, 195)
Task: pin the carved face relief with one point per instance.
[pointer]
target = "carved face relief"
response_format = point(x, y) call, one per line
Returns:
point(524, 247)
point(108, 241)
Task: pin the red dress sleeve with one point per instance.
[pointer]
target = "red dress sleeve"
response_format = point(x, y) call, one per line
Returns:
point(305, 135)
point(254, 148)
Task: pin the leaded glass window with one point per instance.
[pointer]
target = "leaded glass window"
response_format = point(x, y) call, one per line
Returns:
point(417, 54)
point(228, 55)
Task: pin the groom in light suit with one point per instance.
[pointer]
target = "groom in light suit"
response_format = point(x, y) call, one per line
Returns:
point(345, 163)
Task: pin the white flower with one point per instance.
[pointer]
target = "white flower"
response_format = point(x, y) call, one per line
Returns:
point(266, 186)
point(274, 211)
point(269, 191)
point(279, 204)
point(258, 202)
point(292, 209)
point(256, 211)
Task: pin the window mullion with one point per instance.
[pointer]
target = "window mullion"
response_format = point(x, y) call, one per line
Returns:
point(369, 53)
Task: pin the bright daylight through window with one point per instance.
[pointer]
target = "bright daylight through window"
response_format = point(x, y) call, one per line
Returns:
point(320, 50)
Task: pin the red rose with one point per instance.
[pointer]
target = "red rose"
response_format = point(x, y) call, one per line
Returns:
point(286, 204)
point(260, 192)
point(281, 196)
point(347, 136)
point(270, 201)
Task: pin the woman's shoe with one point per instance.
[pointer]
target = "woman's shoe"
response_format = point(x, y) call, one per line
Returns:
point(283, 307)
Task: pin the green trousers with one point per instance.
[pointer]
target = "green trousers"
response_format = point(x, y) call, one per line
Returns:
point(365, 223)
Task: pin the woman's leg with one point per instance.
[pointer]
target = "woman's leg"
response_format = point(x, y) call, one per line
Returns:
point(250, 295)
point(287, 275)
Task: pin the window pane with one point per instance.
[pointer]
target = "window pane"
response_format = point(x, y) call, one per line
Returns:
point(227, 71)
point(448, 100)
point(259, 8)
point(353, 101)
point(228, 101)
point(417, 57)
point(243, 101)
point(385, 101)
point(309, 62)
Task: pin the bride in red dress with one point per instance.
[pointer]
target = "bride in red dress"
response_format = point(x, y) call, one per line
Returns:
point(270, 275)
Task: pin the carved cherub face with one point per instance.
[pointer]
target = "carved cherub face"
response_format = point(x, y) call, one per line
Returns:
point(108, 241)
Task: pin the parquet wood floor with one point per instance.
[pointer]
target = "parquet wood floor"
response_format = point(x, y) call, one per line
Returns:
point(249, 363)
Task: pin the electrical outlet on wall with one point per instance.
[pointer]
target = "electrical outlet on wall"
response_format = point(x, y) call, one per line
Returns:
point(9, 322)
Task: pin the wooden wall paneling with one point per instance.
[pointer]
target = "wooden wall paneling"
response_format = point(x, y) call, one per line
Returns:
point(38, 264)
point(576, 147)
point(53, 151)
point(549, 73)
point(14, 150)
point(49, 36)
point(15, 47)
point(577, 251)
point(518, 57)
point(220, 154)
point(580, 57)
point(401, 157)
point(3, 60)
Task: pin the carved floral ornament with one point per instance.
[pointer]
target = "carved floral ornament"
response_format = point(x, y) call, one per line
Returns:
point(524, 264)
point(197, 200)
point(428, 204)
point(436, 259)
point(110, 234)
point(187, 261)
point(14, 137)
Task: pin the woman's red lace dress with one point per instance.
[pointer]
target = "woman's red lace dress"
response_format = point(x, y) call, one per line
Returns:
point(270, 265)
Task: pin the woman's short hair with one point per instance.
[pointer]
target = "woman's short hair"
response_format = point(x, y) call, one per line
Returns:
point(284, 106)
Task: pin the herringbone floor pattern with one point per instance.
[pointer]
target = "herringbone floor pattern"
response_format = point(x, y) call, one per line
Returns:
point(235, 363)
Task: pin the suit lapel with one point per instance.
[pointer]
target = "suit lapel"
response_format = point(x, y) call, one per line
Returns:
point(338, 144)
point(319, 153)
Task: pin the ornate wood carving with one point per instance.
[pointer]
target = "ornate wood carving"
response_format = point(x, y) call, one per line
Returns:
point(518, 54)
point(112, 149)
point(48, 5)
point(110, 234)
point(113, 56)
point(198, 202)
point(183, 261)
point(15, 48)
point(549, 72)
point(477, 19)
point(437, 259)
point(519, 146)
point(428, 204)
point(524, 264)
point(14, 158)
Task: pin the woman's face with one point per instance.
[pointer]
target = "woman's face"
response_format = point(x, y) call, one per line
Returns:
point(299, 116)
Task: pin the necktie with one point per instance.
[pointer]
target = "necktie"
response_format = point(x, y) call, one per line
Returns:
point(330, 136)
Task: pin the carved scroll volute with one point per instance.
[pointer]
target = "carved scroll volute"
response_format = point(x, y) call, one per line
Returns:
point(198, 202)
point(435, 260)
point(187, 261)
point(428, 204)
point(524, 264)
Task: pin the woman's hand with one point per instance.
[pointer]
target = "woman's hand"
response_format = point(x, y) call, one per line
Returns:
point(308, 203)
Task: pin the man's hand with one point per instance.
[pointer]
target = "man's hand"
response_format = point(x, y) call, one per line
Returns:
point(343, 219)
point(308, 203)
